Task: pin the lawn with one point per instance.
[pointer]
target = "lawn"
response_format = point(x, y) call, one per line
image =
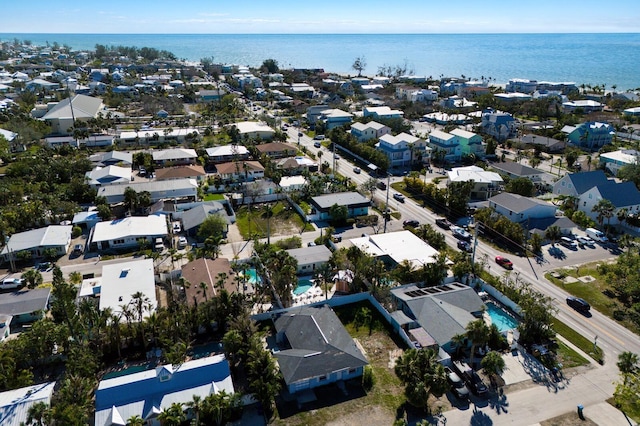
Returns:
point(594, 292)
point(284, 221)
point(387, 394)
point(213, 197)
point(568, 357)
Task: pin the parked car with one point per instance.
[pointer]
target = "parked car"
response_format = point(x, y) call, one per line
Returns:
point(299, 134)
point(443, 223)
point(11, 283)
point(336, 156)
point(182, 242)
point(398, 197)
point(568, 243)
point(586, 241)
point(159, 244)
point(411, 222)
point(78, 249)
point(461, 233)
point(578, 304)
point(176, 227)
point(458, 387)
point(596, 235)
point(465, 246)
point(471, 378)
point(357, 170)
point(318, 137)
point(504, 262)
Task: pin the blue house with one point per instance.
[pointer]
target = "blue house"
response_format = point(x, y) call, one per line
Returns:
point(591, 135)
point(315, 349)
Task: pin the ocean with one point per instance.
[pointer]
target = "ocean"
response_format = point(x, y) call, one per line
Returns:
point(595, 59)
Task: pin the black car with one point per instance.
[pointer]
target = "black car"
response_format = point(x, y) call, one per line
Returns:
point(443, 223)
point(381, 185)
point(471, 378)
point(465, 246)
point(578, 304)
point(412, 223)
point(457, 384)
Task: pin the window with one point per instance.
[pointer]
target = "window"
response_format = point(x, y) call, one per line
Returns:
point(322, 378)
point(352, 370)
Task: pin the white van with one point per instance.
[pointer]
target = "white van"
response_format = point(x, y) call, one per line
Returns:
point(11, 283)
point(596, 235)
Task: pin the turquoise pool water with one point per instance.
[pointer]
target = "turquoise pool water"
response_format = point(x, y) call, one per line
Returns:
point(253, 277)
point(303, 286)
point(502, 319)
point(126, 371)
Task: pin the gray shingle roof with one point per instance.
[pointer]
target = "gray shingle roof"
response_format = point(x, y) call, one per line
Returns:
point(319, 344)
point(516, 169)
point(24, 301)
point(306, 255)
point(195, 216)
point(516, 203)
point(341, 199)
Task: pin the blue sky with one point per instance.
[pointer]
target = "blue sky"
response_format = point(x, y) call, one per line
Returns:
point(327, 16)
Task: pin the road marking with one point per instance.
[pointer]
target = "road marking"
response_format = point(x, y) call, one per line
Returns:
point(603, 331)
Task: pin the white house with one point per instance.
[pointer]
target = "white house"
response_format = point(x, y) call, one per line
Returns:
point(394, 248)
point(110, 175)
point(446, 143)
point(367, 131)
point(310, 258)
point(63, 115)
point(36, 241)
point(519, 209)
point(485, 183)
point(174, 156)
point(158, 190)
point(15, 404)
point(382, 112)
point(254, 130)
point(120, 281)
point(623, 195)
point(614, 161)
point(125, 233)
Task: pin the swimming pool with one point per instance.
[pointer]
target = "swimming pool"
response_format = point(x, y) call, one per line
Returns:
point(502, 319)
point(302, 287)
point(253, 277)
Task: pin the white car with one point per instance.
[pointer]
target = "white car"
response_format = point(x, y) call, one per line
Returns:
point(586, 241)
point(182, 242)
point(176, 227)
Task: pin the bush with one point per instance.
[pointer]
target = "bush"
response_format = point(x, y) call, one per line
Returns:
point(367, 378)
point(76, 232)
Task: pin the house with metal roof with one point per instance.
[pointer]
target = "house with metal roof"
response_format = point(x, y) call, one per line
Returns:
point(126, 233)
point(109, 175)
point(335, 117)
point(485, 183)
point(112, 158)
point(66, 113)
point(614, 161)
point(442, 311)
point(158, 190)
point(587, 106)
point(148, 393)
point(36, 241)
point(500, 125)
point(446, 143)
point(518, 208)
point(517, 170)
point(174, 156)
point(470, 143)
point(120, 281)
point(382, 112)
point(226, 153)
point(314, 349)
point(310, 258)
point(576, 184)
point(403, 149)
point(25, 306)
point(393, 248)
point(356, 203)
point(623, 195)
point(254, 130)
point(15, 404)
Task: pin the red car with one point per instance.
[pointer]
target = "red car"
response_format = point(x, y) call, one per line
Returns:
point(504, 262)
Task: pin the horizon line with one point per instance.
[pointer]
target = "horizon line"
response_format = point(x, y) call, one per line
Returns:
point(329, 33)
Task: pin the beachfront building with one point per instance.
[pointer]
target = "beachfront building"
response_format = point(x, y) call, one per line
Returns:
point(591, 135)
point(521, 85)
point(367, 131)
point(614, 161)
point(403, 149)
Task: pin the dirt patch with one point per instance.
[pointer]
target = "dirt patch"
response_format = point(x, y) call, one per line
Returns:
point(569, 419)
point(373, 415)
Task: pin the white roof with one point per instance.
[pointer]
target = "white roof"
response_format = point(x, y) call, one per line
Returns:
point(174, 154)
point(625, 156)
point(109, 174)
point(253, 126)
point(399, 246)
point(134, 226)
point(628, 110)
point(370, 125)
point(475, 173)
point(336, 113)
point(439, 134)
point(149, 132)
point(462, 133)
point(121, 280)
point(82, 106)
point(583, 103)
point(51, 236)
point(287, 181)
point(155, 187)
point(226, 150)
point(383, 110)
point(9, 136)
point(398, 139)
point(15, 404)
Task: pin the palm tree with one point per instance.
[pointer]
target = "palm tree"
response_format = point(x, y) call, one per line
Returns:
point(553, 233)
point(627, 364)
point(493, 365)
point(478, 333)
point(172, 415)
point(135, 420)
point(196, 407)
point(422, 375)
point(605, 209)
point(39, 414)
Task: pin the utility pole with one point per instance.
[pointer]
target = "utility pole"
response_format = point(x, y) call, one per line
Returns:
point(386, 203)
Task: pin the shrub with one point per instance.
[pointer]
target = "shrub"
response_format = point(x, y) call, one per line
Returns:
point(367, 378)
point(76, 232)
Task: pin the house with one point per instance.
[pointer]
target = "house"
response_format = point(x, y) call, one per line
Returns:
point(121, 281)
point(25, 306)
point(195, 216)
point(576, 184)
point(126, 233)
point(194, 172)
point(547, 144)
point(147, 393)
point(310, 258)
point(210, 95)
point(245, 171)
point(36, 241)
point(292, 183)
point(86, 219)
point(445, 119)
point(446, 144)
point(382, 113)
point(403, 149)
point(623, 195)
point(314, 349)
point(442, 311)
point(367, 131)
point(15, 404)
point(485, 183)
point(500, 125)
point(109, 175)
point(65, 115)
point(591, 135)
point(112, 158)
point(633, 112)
point(333, 118)
point(356, 203)
point(277, 150)
point(158, 136)
point(521, 85)
point(314, 112)
point(540, 226)
point(296, 165)
point(512, 97)
point(470, 143)
point(393, 248)
point(226, 153)
point(517, 170)
point(158, 190)
point(254, 130)
point(614, 161)
point(518, 208)
point(456, 102)
point(214, 273)
point(174, 157)
point(583, 105)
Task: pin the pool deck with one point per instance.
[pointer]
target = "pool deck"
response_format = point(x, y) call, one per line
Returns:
point(313, 295)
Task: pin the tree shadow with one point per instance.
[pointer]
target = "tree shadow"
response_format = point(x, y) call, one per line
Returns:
point(499, 403)
point(480, 419)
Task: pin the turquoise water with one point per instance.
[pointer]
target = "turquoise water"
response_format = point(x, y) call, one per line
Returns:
point(303, 286)
point(253, 277)
point(126, 371)
point(582, 58)
point(501, 318)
